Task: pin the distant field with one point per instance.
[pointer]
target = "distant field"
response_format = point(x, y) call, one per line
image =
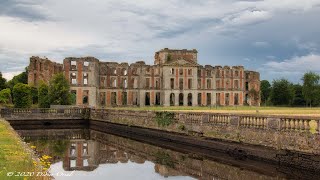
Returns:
point(301, 111)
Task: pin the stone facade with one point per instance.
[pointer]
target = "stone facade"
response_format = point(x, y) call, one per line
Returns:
point(42, 69)
point(175, 79)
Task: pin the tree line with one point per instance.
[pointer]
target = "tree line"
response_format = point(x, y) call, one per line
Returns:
point(284, 93)
point(17, 93)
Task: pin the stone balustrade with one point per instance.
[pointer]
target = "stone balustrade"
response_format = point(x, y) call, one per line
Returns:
point(43, 113)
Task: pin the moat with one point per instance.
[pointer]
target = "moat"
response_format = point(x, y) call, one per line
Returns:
point(85, 151)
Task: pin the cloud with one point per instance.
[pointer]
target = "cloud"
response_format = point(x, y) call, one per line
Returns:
point(292, 68)
point(261, 44)
point(126, 30)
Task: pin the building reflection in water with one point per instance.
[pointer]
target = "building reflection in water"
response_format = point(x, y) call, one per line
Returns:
point(87, 149)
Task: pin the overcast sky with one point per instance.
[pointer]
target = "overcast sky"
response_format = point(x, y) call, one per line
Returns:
point(278, 38)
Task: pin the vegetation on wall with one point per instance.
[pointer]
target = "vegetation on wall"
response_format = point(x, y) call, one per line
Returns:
point(2, 82)
point(164, 118)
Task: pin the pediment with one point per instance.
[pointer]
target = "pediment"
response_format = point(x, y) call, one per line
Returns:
point(181, 62)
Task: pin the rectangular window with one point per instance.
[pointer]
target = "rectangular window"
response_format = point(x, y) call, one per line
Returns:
point(189, 83)
point(85, 78)
point(199, 83)
point(208, 84)
point(172, 71)
point(73, 65)
point(147, 82)
point(73, 78)
point(172, 83)
point(181, 71)
point(190, 72)
point(181, 84)
point(86, 63)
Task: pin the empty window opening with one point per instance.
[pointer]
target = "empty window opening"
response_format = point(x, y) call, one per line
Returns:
point(113, 98)
point(102, 98)
point(147, 82)
point(189, 72)
point(181, 99)
point(172, 83)
point(199, 99)
point(189, 83)
point(208, 84)
point(181, 84)
point(227, 99)
point(147, 98)
point(189, 99)
point(73, 78)
point(172, 99)
point(73, 97)
point(208, 99)
point(236, 99)
point(85, 78)
point(181, 71)
point(158, 98)
point(124, 98)
point(85, 98)
point(218, 99)
point(86, 63)
point(73, 65)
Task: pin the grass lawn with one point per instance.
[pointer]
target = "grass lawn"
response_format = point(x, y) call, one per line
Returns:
point(14, 156)
point(301, 111)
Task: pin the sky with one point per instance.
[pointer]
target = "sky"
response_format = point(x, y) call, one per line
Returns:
point(280, 39)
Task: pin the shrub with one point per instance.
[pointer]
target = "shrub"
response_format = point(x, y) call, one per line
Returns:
point(22, 96)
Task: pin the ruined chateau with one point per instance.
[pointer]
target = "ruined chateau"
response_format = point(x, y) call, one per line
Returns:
point(175, 79)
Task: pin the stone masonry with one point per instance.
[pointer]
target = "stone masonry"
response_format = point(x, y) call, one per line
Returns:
point(175, 79)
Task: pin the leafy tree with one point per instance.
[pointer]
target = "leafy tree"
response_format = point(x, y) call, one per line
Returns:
point(34, 93)
point(310, 85)
point(298, 98)
point(2, 82)
point(59, 90)
point(43, 98)
point(282, 92)
point(5, 96)
point(20, 78)
point(265, 88)
point(22, 96)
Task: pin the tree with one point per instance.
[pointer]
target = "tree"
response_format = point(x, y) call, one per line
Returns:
point(309, 88)
point(298, 99)
point(20, 78)
point(265, 88)
point(5, 96)
point(22, 96)
point(34, 94)
point(2, 82)
point(43, 97)
point(282, 92)
point(59, 90)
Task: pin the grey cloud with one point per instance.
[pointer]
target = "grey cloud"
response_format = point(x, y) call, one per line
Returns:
point(24, 9)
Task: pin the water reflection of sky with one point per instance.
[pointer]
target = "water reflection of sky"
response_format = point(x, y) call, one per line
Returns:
point(119, 171)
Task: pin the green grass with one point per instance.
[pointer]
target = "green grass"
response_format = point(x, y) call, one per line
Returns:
point(299, 111)
point(13, 154)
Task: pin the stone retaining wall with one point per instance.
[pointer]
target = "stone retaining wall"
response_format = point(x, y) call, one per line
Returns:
point(279, 132)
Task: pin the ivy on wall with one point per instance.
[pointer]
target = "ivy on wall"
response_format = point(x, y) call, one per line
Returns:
point(164, 118)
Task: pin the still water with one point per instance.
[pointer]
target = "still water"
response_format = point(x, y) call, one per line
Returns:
point(86, 154)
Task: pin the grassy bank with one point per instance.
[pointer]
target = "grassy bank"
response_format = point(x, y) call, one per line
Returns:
point(239, 110)
point(15, 156)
